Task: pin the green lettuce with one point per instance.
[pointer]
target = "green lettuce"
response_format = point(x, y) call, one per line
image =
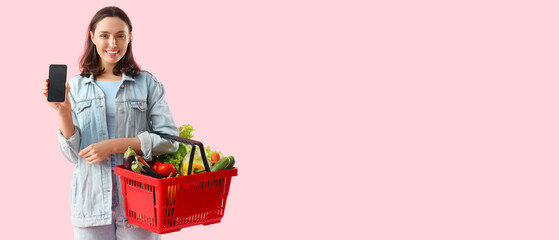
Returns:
point(185, 131)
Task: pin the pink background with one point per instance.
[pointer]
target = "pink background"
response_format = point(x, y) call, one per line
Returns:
point(348, 119)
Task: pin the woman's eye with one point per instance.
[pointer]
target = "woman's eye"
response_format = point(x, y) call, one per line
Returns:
point(121, 36)
point(103, 35)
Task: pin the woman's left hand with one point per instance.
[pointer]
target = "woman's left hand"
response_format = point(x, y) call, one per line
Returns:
point(97, 152)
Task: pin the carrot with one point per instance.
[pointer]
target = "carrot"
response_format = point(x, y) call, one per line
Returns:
point(141, 159)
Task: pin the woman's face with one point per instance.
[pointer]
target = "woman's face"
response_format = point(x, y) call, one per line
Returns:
point(111, 39)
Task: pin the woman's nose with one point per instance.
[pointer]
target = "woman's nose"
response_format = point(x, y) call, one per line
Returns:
point(112, 42)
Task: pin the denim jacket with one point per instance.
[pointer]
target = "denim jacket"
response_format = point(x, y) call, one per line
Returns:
point(141, 111)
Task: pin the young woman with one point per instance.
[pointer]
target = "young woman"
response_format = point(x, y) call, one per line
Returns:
point(111, 105)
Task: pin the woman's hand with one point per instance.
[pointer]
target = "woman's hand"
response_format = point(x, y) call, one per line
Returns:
point(58, 106)
point(97, 152)
point(64, 110)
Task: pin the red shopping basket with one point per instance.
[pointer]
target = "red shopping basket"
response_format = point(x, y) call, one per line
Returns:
point(170, 204)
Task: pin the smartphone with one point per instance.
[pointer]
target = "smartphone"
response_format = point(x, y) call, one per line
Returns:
point(57, 83)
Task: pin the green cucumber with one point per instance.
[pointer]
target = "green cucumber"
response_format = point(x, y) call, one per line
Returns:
point(221, 164)
point(231, 162)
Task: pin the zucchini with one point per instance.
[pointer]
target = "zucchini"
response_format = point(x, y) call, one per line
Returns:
point(221, 164)
point(231, 162)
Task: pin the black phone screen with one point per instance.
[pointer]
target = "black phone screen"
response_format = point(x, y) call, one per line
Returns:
point(57, 83)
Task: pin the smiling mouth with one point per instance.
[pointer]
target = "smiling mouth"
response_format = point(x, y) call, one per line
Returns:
point(112, 52)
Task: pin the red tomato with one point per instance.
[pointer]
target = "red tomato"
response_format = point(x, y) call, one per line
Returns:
point(166, 169)
point(215, 157)
point(155, 164)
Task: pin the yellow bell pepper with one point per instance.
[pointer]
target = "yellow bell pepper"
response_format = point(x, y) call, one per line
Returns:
point(195, 166)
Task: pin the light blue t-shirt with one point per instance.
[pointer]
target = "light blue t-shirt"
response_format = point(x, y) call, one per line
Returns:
point(110, 88)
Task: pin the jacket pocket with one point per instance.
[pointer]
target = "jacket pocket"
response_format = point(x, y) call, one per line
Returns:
point(82, 106)
point(140, 106)
point(84, 114)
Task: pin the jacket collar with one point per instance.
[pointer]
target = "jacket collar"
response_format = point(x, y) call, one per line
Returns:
point(124, 78)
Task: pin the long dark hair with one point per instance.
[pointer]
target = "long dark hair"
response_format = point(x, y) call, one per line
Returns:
point(89, 61)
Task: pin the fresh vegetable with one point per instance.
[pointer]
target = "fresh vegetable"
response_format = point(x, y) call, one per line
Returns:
point(180, 159)
point(141, 159)
point(224, 163)
point(197, 156)
point(185, 131)
point(231, 162)
point(197, 167)
point(177, 157)
point(166, 169)
point(181, 156)
point(139, 167)
point(129, 157)
point(215, 157)
point(174, 158)
point(221, 164)
point(155, 164)
point(210, 153)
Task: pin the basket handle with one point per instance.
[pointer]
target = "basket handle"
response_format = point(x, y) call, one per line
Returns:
point(193, 143)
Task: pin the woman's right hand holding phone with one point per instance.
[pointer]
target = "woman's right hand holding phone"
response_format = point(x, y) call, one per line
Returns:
point(58, 106)
point(64, 110)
